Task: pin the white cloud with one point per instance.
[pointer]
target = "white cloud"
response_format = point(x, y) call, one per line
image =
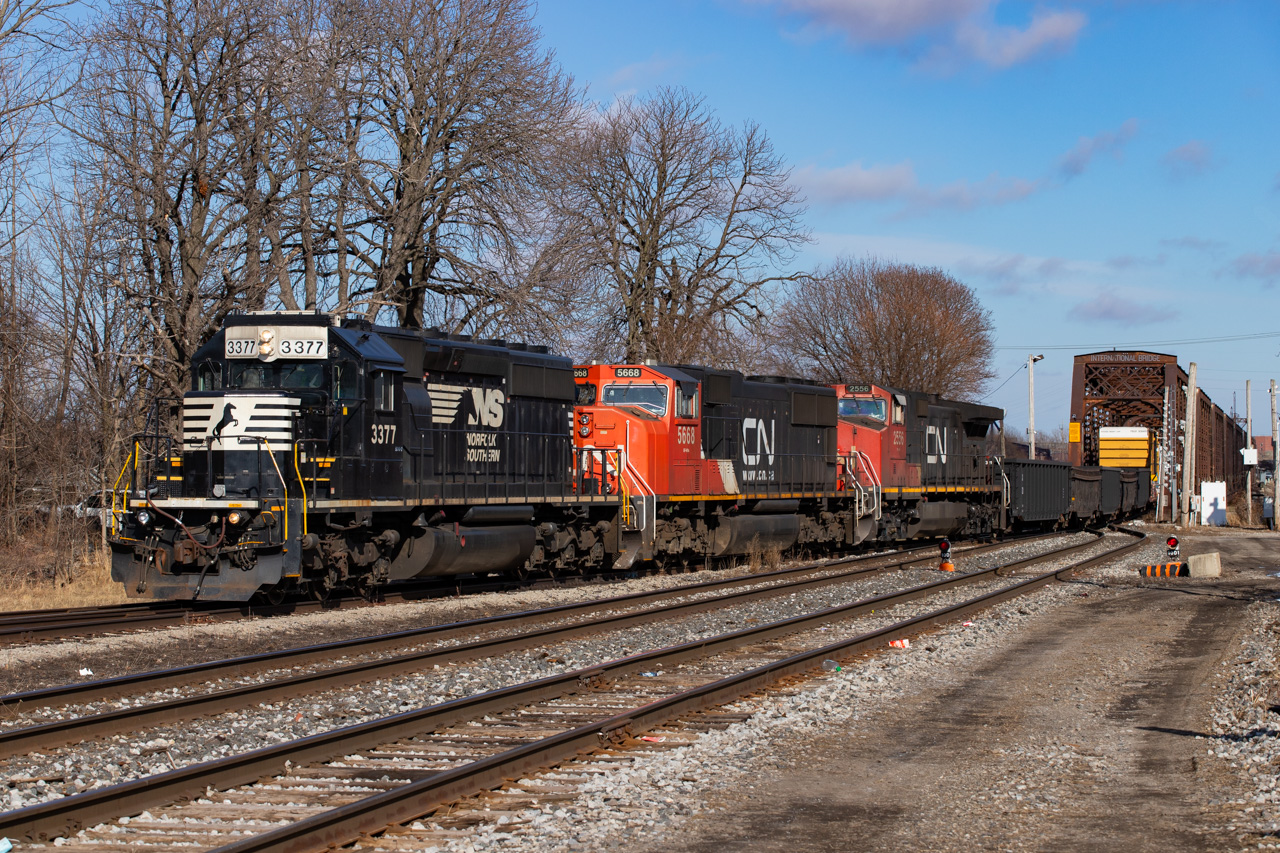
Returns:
point(854, 183)
point(1186, 161)
point(880, 21)
point(1110, 308)
point(1003, 47)
point(646, 73)
point(1265, 266)
point(949, 33)
point(1075, 161)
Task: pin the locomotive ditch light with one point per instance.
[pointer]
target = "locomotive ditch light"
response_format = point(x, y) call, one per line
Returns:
point(144, 517)
point(235, 517)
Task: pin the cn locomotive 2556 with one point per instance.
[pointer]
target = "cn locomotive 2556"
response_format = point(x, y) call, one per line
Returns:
point(317, 455)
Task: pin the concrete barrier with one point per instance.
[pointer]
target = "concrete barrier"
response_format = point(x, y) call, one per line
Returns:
point(1205, 565)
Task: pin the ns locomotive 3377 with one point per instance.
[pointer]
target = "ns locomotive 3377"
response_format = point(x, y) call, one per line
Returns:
point(317, 455)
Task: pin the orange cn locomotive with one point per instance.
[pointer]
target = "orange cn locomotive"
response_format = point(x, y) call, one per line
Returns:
point(717, 464)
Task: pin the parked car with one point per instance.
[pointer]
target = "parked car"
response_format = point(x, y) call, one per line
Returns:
point(96, 508)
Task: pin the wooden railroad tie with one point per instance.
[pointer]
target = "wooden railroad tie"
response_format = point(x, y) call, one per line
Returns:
point(1166, 570)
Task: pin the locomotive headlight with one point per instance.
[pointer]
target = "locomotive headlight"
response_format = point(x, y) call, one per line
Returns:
point(266, 342)
point(144, 517)
point(584, 430)
point(584, 418)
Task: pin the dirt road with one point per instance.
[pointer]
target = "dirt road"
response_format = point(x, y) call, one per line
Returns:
point(1088, 732)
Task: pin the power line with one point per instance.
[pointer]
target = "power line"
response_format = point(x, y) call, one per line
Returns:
point(1004, 383)
point(1125, 345)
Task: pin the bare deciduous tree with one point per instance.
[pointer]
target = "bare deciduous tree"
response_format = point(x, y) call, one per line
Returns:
point(684, 221)
point(889, 323)
point(28, 81)
point(176, 94)
point(460, 106)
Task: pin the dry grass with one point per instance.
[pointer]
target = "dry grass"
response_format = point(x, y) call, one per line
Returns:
point(760, 559)
point(35, 578)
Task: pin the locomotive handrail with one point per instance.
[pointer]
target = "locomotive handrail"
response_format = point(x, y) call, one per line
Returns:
point(877, 488)
point(315, 479)
point(301, 485)
point(284, 485)
point(115, 489)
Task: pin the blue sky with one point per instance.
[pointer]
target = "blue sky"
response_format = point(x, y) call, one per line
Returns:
point(1103, 174)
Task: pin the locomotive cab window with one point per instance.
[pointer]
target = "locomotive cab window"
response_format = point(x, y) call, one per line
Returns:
point(346, 380)
point(898, 406)
point(250, 375)
point(301, 374)
point(851, 406)
point(686, 404)
point(650, 398)
point(384, 390)
point(585, 394)
point(280, 374)
point(209, 377)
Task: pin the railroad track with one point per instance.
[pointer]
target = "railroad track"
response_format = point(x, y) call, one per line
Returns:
point(518, 631)
point(398, 768)
point(29, 626)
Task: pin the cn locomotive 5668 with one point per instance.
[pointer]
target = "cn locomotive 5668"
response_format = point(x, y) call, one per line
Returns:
point(316, 455)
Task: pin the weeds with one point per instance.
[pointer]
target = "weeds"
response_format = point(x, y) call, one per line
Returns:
point(40, 575)
point(760, 559)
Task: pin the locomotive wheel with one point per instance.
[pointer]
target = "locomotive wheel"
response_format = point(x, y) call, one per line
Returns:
point(319, 591)
point(277, 594)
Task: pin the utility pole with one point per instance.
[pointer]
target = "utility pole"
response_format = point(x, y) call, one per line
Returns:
point(1248, 443)
point(1275, 457)
point(1188, 447)
point(1031, 397)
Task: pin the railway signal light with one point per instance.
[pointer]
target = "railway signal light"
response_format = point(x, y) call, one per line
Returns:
point(1171, 545)
point(946, 565)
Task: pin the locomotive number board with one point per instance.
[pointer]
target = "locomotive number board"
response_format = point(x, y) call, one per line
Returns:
point(267, 343)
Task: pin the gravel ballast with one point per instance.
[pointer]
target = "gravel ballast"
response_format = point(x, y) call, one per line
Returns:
point(93, 765)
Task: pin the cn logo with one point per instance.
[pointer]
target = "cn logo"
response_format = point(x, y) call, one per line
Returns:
point(487, 408)
point(937, 445)
point(755, 439)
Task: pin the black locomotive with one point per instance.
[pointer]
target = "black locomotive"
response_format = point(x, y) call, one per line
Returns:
point(317, 456)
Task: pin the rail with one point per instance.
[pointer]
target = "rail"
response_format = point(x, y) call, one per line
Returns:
point(407, 801)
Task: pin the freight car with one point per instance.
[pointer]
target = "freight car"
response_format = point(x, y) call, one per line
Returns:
point(317, 455)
